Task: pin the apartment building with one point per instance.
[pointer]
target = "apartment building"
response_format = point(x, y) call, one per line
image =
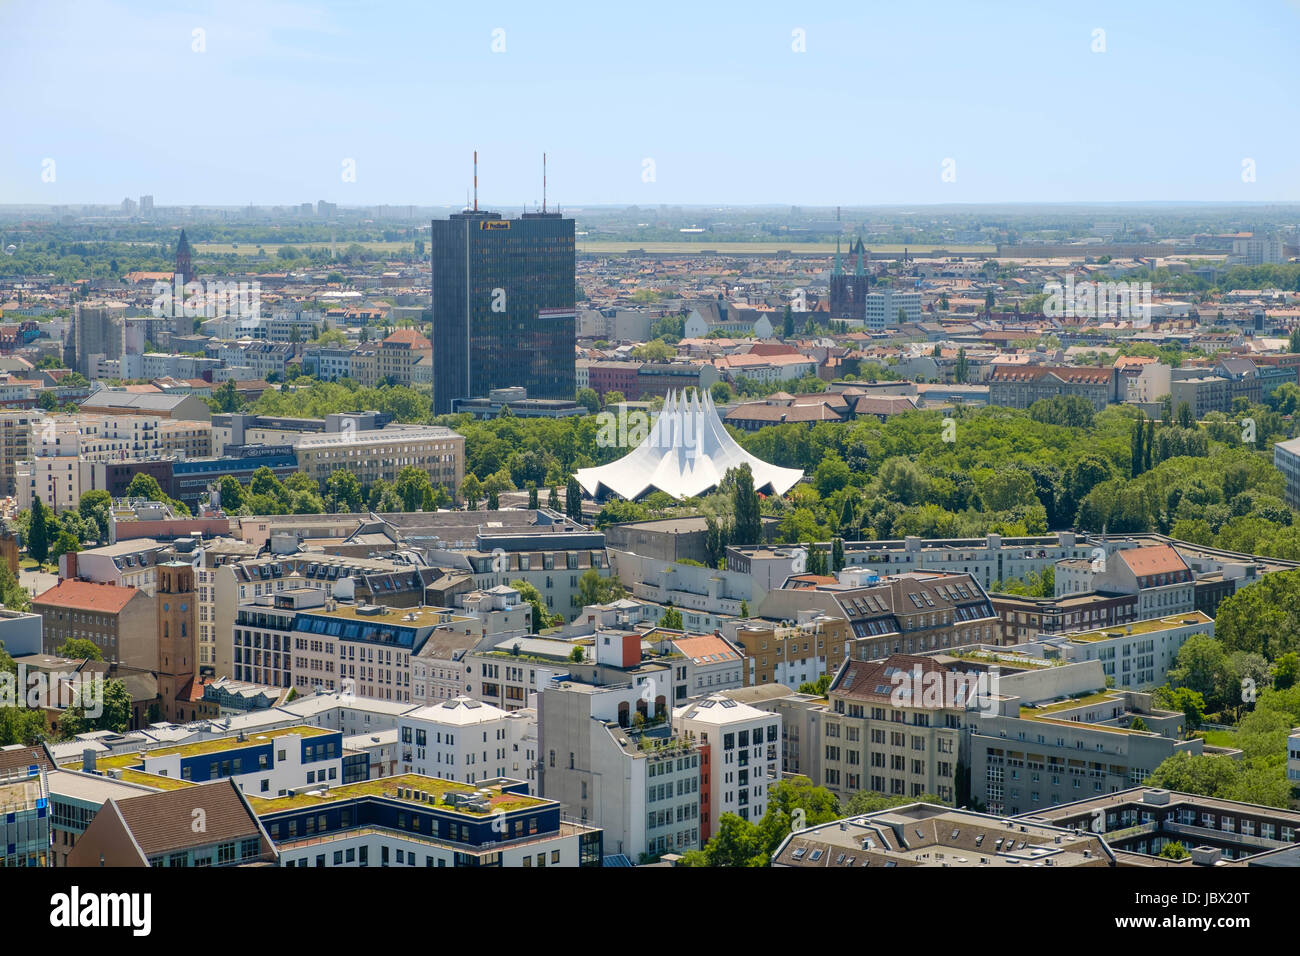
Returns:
point(903, 614)
point(790, 653)
point(25, 826)
point(553, 558)
point(1021, 619)
point(989, 559)
point(922, 834)
point(153, 829)
point(1157, 574)
point(298, 638)
point(120, 621)
point(895, 737)
point(1019, 386)
point(272, 762)
point(380, 454)
point(883, 305)
point(508, 673)
point(1202, 394)
point(1286, 459)
point(740, 757)
point(400, 352)
point(232, 576)
point(132, 563)
point(461, 739)
point(1038, 753)
point(1134, 656)
point(1143, 820)
point(15, 445)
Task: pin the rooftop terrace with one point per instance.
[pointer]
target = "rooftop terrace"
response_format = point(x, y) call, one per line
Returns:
point(388, 787)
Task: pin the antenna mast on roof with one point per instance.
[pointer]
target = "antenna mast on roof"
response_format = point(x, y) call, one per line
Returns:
point(543, 182)
point(476, 180)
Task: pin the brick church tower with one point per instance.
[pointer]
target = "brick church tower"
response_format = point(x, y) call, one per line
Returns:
point(183, 265)
point(849, 292)
point(177, 643)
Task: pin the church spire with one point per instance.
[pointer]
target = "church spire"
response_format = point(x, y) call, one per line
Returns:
point(837, 271)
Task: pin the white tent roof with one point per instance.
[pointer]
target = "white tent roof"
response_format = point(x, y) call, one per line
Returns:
point(687, 452)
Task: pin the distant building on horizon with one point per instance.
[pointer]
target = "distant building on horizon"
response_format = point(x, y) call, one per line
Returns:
point(503, 306)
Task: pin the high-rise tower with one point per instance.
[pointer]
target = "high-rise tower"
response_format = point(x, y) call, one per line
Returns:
point(503, 305)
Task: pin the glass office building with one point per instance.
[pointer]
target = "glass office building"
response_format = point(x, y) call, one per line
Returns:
point(503, 306)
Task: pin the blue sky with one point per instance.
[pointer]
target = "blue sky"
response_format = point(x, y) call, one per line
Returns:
point(713, 93)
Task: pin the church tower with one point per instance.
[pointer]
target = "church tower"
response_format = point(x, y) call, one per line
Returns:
point(177, 643)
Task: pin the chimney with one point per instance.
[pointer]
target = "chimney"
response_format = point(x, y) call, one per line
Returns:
point(70, 559)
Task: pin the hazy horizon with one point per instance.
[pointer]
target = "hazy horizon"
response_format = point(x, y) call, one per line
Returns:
point(240, 102)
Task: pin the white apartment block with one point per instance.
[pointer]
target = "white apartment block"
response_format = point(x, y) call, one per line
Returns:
point(743, 756)
point(883, 306)
point(461, 739)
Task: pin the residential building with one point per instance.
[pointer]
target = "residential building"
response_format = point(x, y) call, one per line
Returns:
point(1019, 386)
point(120, 621)
point(740, 757)
point(461, 739)
point(1141, 821)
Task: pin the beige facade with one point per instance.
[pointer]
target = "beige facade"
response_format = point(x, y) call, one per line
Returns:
point(381, 454)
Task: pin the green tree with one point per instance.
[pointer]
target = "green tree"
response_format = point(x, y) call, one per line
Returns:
point(1203, 666)
point(65, 543)
point(471, 490)
point(1174, 851)
point(38, 541)
point(671, 619)
point(411, 485)
point(232, 493)
point(1286, 670)
point(573, 499)
point(594, 589)
point(818, 687)
point(115, 712)
point(542, 618)
point(343, 492)
point(748, 527)
point(737, 843)
point(590, 399)
point(78, 648)
point(96, 508)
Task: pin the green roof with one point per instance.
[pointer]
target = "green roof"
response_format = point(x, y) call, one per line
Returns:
point(387, 787)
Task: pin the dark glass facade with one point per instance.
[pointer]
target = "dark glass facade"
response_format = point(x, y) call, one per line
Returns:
point(503, 306)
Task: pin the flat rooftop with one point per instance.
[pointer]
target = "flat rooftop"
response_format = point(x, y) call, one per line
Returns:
point(1137, 627)
point(127, 760)
point(387, 787)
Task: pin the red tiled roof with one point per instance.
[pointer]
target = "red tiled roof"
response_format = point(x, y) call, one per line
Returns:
point(88, 596)
point(1085, 375)
point(1155, 559)
point(715, 649)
